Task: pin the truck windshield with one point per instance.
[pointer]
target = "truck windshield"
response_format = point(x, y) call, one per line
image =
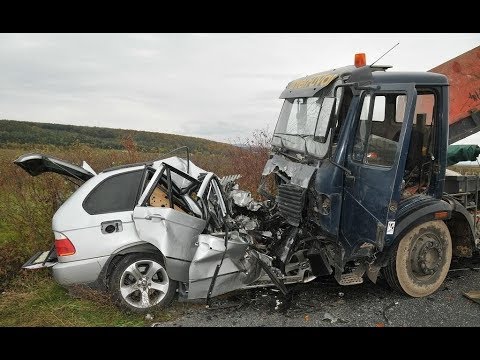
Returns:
point(299, 116)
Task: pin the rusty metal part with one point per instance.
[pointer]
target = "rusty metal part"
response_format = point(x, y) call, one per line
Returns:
point(463, 74)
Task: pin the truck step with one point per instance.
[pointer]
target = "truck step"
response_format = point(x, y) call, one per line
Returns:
point(350, 279)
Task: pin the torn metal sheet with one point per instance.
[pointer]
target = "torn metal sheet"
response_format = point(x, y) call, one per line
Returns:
point(241, 198)
point(246, 223)
point(238, 269)
point(182, 165)
point(254, 206)
point(300, 174)
point(244, 198)
point(473, 295)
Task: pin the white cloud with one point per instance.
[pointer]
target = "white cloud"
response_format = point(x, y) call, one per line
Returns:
point(218, 86)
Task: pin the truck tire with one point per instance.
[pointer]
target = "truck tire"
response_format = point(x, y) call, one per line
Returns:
point(421, 259)
point(140, 283)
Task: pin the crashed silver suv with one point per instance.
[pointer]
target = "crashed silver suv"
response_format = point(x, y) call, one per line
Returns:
point(148, 231)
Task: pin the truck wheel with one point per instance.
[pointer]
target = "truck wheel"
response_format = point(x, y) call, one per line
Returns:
point(421, 260)
point(140, 283)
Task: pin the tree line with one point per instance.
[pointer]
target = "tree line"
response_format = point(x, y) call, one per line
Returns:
point(25, 132)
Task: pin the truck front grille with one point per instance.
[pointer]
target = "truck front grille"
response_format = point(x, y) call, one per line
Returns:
point(290, 201)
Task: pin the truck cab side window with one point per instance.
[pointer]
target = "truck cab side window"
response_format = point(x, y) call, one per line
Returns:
point(361, 134)
point(422, 150)
point(376, 141)
point(421, 140)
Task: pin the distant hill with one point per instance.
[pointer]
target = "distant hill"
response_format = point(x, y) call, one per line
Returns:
point(25, 132)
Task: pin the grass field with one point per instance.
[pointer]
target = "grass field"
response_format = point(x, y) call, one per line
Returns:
point(33, 299)
point(6, 233)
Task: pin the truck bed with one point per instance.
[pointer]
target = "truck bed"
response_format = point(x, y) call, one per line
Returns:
point(463, 74)
point(464, 188)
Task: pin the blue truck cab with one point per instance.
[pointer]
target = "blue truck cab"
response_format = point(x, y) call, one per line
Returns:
point(359, 159)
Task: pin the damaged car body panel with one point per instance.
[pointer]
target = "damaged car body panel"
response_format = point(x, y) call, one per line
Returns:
point(177, 205)
point(235, 270)
point(300, 174)
point(174, 233)
point(191, 256)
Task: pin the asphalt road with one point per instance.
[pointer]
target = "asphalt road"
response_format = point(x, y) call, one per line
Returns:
point(325, 303)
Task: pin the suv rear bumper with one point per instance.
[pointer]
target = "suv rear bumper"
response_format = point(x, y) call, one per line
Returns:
point(78, 272)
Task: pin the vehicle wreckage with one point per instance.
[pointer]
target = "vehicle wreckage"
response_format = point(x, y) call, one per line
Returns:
point(358, 163)
point(204, 235)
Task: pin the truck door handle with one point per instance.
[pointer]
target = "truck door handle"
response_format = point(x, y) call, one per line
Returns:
point(156, 216)
point(349, 180)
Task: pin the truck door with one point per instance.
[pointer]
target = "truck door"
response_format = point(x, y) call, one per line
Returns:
point(376, 155)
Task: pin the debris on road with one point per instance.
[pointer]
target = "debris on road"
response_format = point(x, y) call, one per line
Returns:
point(330, 318)
point(389, 307)
point(473, 295)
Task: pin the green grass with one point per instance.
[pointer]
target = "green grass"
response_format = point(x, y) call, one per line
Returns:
point(6, 233)
point(33, 299)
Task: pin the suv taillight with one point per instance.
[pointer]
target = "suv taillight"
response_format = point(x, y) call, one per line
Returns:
point(64, 247)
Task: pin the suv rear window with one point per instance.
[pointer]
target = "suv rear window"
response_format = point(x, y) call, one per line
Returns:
point(116, 193)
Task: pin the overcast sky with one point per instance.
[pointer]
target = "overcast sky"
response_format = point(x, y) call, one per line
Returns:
point(216, 86)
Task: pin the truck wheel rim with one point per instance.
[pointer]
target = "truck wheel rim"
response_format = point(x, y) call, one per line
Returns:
point(426, 255)
point(144, 283)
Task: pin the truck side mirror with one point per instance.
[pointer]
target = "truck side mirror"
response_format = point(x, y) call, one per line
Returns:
point(325, 119)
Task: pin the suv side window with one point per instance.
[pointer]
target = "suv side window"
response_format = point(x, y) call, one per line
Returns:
point(116, 193)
